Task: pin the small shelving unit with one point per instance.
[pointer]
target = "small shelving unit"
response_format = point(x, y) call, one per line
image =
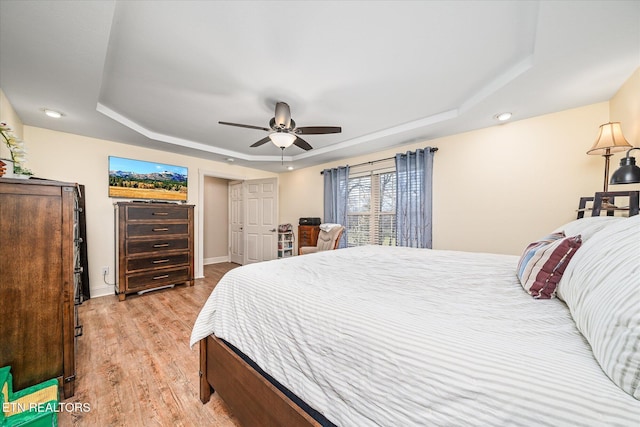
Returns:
point(285, 244)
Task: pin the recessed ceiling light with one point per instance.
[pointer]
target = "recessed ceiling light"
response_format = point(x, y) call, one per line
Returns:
point(52, 113)
point(290, 168)
point(230, 160)
point(503, 116)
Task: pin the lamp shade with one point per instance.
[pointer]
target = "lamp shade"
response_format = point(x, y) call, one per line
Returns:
point(628, 173)
point(610, 140)
point(282, 139)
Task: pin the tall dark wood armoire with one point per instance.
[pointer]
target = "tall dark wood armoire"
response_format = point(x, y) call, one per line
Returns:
point(39, 280)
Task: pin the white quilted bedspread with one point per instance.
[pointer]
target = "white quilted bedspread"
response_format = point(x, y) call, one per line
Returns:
point(389, 336)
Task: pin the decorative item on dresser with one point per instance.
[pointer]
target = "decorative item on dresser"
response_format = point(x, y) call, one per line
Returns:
point(155, 246)
point(308, 235)
point(39, 281)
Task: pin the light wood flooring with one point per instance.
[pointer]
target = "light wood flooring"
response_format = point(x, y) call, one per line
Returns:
point(134, 365)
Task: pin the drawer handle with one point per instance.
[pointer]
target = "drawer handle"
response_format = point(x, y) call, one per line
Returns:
point(160, 261)
point(164, 276)
point(161, 245)
point(160, 213)
point(160, 229)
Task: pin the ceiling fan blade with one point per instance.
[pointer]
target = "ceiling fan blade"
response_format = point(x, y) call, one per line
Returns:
point(318, 130)
point(283, 115)
point(302, 144)
point(245, 126)
point(262, 141)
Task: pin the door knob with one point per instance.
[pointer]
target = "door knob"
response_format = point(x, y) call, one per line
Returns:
point(273, 230)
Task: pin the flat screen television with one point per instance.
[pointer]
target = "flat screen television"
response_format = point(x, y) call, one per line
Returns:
point(138, 179)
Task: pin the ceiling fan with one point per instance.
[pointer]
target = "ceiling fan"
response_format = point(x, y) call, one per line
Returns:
point(284, 131)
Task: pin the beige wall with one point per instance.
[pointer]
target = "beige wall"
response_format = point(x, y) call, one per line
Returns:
point(495, 189)
point(73, 158)
point(624, 107)
point(216, 220)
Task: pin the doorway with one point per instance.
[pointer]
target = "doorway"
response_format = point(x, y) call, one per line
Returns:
point(215, 208)
point(257, 214)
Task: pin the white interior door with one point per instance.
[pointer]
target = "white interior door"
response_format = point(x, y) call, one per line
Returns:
point(236, 223)
point(260, 222)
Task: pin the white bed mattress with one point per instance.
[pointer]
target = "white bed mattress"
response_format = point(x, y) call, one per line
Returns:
point(395, 336)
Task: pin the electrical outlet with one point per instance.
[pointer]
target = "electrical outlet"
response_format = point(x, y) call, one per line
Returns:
point(105, 271)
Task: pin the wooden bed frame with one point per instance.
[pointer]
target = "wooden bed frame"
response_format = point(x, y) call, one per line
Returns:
point(251, 397)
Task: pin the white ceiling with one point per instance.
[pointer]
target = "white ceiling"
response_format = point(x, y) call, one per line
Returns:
point(161, 74)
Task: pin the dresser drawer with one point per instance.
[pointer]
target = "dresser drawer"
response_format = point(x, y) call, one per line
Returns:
point(144, 230)
point(308, 235)
point(160, 213)
point(135, 247)
point(157, 261)
point(158, 278)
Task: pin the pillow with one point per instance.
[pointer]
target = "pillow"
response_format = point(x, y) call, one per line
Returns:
point(543, 262)
point(587, 226)
point(601, 287)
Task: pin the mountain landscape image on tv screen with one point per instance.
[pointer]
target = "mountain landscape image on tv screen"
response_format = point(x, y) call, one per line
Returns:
point(137, 179)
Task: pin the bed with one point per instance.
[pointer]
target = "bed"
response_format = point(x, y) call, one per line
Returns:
point(387, 336)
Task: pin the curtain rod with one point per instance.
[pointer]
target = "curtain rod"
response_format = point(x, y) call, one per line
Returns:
point(433, 150)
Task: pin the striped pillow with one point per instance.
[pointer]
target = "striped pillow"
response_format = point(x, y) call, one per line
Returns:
point(601, 287)
point(543, 262)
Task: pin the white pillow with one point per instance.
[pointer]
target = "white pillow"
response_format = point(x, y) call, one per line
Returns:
point(588, 226)
point(601, 287)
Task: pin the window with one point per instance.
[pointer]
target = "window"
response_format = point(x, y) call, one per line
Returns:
point(371, 208)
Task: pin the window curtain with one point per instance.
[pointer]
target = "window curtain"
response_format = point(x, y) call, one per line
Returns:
point(414, 182)
point(336, 184)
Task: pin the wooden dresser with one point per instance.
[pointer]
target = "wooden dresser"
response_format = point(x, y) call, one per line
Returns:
point(38, 284)
point(155, 246)
point(307, 235)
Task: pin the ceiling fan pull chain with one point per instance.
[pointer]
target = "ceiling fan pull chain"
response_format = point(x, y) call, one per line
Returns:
point(282, 156)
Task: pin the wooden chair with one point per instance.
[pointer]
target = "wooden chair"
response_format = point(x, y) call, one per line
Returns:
point(35, 406)
point(327, 240)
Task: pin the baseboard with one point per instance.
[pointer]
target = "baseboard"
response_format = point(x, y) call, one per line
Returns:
point(102, 291)
point(215, 260)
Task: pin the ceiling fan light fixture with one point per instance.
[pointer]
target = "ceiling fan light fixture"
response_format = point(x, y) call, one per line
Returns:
point(282, 139)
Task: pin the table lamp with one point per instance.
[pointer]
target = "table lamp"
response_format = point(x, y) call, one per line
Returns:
point(610, 140)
